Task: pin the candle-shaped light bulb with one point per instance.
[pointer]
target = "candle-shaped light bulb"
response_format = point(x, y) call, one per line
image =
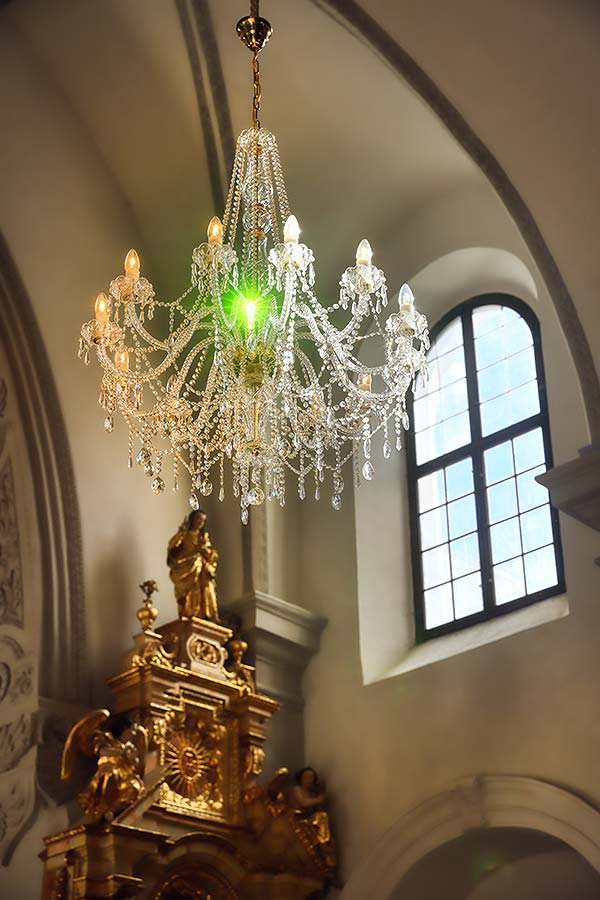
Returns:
point(291, 230)
point(102, 307)
point(122, 360)
point(364, 381)
point(364, 253)
point(132, 265)
point(405, 297)
point(214, 231)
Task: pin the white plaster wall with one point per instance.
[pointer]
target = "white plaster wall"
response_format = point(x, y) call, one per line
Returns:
point(525, 77)
point(520, 705)
point(68, 228)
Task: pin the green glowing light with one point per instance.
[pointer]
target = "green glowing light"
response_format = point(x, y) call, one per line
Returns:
point(250, 312)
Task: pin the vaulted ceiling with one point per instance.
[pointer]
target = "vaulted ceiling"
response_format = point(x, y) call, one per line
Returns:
point(360, 149)
point(163, 86)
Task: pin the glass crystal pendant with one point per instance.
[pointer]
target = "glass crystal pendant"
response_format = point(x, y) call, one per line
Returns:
point(255, 376)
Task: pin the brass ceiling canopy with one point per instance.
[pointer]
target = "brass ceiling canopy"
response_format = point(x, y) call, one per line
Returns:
point(253, 30)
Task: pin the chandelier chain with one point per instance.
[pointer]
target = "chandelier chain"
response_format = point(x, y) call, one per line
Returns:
point(257, 91)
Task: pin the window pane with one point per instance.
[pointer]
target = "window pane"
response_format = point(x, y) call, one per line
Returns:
point(524, 402)
point(506, 540)
point(453, 399)
point(507, 375)
point(441, 419)
point(506, 370)
point(438, 606)
point(456, 432)
point(508, 581)
point(495, 414)
point(464, 555)
point(468, 598)
point(461, 516)
point(459, 479)
point(452, 366)
point(426, 411)
point(489, 318)
point(448, 339)
point(521, 368)
point(530, 492)
point(498, 463)
point(536, 528)
point(540, 570)
point(436, 566)
point(502, 501)
point(434, 528)
point(432, 491)
point(504, 341)
point(510, 408)
point(436, 406)
point(529, 450)
point(442, 372)
point(442, 438)
point(428, 444)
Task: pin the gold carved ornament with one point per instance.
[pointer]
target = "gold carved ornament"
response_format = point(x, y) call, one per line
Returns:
point(118, 779)
point(238, 671)
point(192, 753)
point(148, 614)
point(204, 651)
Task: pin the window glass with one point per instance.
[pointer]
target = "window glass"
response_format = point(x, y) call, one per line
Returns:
point(440, 412)
point(485, 530)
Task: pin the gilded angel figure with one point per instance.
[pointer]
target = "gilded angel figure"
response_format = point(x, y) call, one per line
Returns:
point(119, 776)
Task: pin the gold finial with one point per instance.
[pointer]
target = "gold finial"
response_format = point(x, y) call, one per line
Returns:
point(147, 614)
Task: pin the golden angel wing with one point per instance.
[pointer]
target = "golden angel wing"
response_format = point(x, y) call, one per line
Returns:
point(80, 739)
point(276, 782)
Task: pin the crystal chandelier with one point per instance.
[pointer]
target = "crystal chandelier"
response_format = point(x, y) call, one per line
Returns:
point(252, 373)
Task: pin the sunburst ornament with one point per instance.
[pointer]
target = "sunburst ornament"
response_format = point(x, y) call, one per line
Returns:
point(193, 757)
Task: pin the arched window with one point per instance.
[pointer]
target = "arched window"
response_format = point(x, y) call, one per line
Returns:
point(485, 539)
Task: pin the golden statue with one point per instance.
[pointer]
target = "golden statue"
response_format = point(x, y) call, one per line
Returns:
point(307, 797)
point(192, 561)
point(118, 780)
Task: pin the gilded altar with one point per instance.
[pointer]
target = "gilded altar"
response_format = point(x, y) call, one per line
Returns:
point(175, 807)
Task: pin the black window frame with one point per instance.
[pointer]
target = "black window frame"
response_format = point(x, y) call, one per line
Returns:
point(475, 450)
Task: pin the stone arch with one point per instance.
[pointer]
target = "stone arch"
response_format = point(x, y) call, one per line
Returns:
point(486, 801)
point(62, 667)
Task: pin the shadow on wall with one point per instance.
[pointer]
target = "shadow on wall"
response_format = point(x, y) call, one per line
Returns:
point(116, 621)
point(501, 863)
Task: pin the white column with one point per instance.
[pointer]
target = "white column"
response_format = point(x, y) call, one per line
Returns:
point(282, 638)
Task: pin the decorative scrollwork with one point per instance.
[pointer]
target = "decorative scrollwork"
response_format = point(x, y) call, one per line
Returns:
point(11, 585)
point(204, 651)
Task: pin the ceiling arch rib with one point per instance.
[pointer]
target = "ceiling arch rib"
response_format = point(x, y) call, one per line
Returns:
point(356, 19)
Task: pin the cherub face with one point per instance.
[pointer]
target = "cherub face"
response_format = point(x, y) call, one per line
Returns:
point(307, 781)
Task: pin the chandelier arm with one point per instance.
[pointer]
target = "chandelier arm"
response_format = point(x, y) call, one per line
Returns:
point(133, 320)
